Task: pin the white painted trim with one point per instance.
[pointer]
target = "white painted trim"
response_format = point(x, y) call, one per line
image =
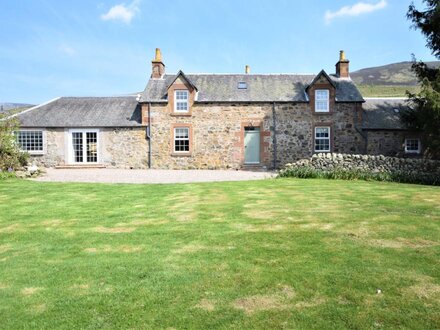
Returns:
point(328, 100)
point(182, 139)
point(413, 151)
point(44, 137)
point(70, 145)
point(329, 139)
point(187, 100)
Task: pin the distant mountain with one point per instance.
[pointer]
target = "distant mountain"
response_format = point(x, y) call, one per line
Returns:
point(396, 74)
point(10, 106)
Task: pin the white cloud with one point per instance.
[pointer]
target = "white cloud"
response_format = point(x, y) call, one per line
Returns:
point(66, 49)
point(355, 10)
point(122, 12)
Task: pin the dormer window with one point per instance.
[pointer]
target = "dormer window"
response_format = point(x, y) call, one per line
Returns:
point(322, 100)
point(181, 101)
point(242, 85)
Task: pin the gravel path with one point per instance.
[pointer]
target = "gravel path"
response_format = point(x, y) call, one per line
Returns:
point(149, 176)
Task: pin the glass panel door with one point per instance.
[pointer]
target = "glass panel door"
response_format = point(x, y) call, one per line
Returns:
point(92, 147)
point(85, 147)
point(77, 144)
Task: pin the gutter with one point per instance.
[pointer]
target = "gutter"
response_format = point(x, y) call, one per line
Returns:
point(274, 122)
point(149, 134)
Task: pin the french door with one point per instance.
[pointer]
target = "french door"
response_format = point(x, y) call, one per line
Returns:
point(84, 146)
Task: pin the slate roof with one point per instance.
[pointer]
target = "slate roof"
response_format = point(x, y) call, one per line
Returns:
point(84, 112)
point(384, 113)
point(261, 88)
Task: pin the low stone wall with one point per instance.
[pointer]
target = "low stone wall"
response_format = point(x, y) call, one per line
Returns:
point(374, 164)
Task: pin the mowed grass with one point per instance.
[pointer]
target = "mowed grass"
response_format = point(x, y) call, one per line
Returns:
point(284, 253)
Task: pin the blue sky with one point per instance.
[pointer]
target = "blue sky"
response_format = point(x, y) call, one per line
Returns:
point(52, 48)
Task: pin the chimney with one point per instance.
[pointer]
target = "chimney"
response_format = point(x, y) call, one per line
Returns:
point(342, 69)
point(158, 68)
point(247, 69)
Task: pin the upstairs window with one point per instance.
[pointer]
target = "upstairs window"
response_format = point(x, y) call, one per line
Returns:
point(30, 141)
point(412, 146)
point(181, 139)
point(242, 85)
point(322, 100)
point(322, 139)
point(181, 101)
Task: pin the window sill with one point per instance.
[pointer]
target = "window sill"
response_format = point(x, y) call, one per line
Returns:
point(183, 154)
point(181, 114)
point(322, 112)
point(36, 153)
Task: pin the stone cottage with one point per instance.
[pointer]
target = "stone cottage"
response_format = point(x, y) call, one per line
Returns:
point(189, 121)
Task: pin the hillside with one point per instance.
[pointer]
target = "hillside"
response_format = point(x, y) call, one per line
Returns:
point(395, 74)
point(392, 80)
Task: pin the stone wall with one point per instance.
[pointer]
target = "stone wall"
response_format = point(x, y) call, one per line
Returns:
point(54, 146)
point(369, 163)
point(218, 131)
point(118, 148)
point(124, 148)
point(389, 143)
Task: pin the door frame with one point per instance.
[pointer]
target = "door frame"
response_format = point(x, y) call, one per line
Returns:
point(256, 124)
point(70, 146)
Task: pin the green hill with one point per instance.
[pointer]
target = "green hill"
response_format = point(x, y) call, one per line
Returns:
point(392, 80)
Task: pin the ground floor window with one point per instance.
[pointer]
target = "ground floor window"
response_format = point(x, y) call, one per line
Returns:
point(30, 141)
point(181, 139)
point(84, 146)
point(322, 139)
point(412, 146)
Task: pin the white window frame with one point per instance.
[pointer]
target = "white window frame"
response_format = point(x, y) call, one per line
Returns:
point(70, 146)
point(176, 101)
point(43, 135)
point(182, 139)
point(320, 100)
point(320, 138)
point(407, 151)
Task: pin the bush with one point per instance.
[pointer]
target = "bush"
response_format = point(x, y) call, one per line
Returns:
point(307, 172)
point(11, 157)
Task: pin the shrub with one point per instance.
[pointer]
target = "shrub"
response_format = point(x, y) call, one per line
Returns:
point(307, 172)
point(11, 157)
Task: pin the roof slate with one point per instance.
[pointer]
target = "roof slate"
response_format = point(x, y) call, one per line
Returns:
point(261, 88)
point(84, 112)
point(382, 113)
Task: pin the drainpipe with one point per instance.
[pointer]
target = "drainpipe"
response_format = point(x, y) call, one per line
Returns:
point(274, 123)
point(149, 135)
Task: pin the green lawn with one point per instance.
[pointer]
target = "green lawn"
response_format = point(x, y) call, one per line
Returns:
point(284, 253)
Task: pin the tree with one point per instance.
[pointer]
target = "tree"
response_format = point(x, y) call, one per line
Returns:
point(11, 157)
point(425, 112)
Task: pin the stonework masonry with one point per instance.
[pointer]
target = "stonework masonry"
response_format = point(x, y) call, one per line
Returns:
point(218, 133)
point(118, 148)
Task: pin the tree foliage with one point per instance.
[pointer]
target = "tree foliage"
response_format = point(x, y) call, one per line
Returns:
point(425, 112)
point(11, 157)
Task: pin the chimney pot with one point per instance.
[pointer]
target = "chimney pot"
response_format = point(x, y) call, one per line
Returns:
point(341, 55)
point(158, 57)
point(247, 69)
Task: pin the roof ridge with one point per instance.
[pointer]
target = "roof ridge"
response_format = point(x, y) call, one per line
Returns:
point(386, 98)
point(250, 74)
point(96, 97)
